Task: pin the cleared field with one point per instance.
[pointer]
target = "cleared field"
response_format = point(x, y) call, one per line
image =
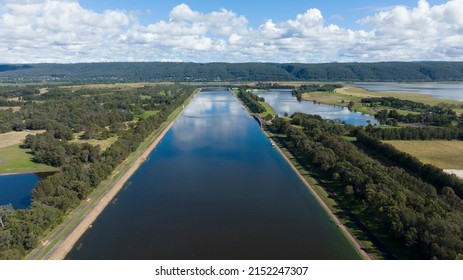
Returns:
point(16, 137)
point(43, 90)
point(148, 114)
point(14, 108)
point(338, 99)
point(16, 160)
point(443, 154)
point(417, 97)
point(104, 144)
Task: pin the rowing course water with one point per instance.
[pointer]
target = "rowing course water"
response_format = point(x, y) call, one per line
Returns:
point(214, 188)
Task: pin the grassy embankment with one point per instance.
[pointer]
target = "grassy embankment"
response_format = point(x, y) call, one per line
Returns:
point(86, 205)
point(13, 159)
point(342, 97)
point(318, 186)
point(268, 110)
point(443, 154)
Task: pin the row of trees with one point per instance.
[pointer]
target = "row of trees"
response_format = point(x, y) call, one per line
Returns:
point(409, 210)
point(314, 88)
point(416, 133)
point(400, 104)
point(436, 115)
point(83, 167)
point(427, 172)
point(252, 101)
point(429, 118)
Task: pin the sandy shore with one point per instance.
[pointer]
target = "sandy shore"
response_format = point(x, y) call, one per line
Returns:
point(65, 246)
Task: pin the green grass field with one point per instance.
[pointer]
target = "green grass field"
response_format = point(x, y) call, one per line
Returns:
point(443, 154)
point(16, 160)
point(269, 109)
point(147, 114)
point(145, 97)
point(344, 95)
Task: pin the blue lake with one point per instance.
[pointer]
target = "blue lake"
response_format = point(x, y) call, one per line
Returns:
point(214, 188)
point(16, 189)
point(284, 102)
point(452, 91)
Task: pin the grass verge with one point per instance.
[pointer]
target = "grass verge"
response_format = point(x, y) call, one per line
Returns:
point(329, 199)
point(268, 110)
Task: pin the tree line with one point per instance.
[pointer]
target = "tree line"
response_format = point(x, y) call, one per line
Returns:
point(314, 88)
point(416, 133)
point(252, 101)
point(418, 217)
point(233, 72)
point(436, 115)
point(427, 172)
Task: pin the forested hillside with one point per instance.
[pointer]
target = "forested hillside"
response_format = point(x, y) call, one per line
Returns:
point(233, 72)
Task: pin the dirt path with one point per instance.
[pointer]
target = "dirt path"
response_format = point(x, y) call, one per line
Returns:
point(64, 246)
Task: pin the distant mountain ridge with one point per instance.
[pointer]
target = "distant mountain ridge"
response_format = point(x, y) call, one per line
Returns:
point(233, 72)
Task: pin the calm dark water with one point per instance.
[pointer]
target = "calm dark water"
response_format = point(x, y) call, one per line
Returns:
point(453, 91)
point(16, 189)
point(214, 189)
point(283, 101)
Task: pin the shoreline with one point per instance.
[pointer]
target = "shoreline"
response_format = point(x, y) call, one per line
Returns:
point(352, 240)
point(65, 244)
point(28, 172)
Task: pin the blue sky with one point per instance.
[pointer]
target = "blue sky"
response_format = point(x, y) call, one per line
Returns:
point(344, 13)
point(230, 31)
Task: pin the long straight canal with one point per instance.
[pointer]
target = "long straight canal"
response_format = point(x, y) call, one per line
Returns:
point(214, 188)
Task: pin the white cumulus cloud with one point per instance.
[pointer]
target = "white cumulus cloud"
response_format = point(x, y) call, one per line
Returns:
point(63, 31)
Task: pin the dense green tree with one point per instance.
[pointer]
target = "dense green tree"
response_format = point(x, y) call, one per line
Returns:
point(239, 72)
point(421, 217)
